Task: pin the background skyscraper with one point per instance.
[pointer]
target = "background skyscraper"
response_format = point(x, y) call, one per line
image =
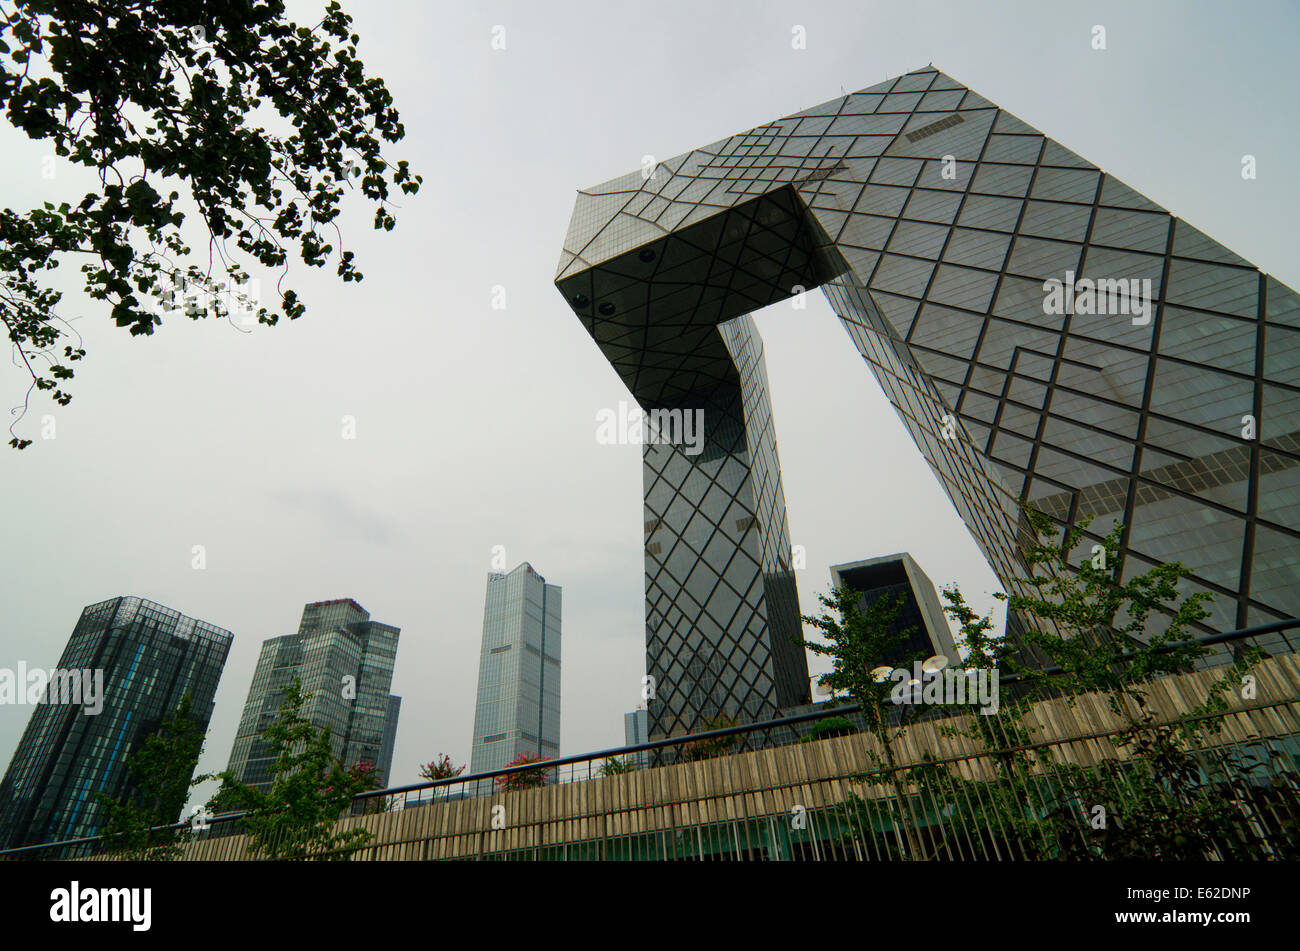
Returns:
point(895, 576)
point(345, 663)
point(518, 705)
point(393, 713)
point(636, 730)
point(151, 657)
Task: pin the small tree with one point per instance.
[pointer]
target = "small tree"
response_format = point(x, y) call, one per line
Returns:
point(525, 779)
point(310, 790)
point(1096, 621)
point(160, 778)
point(1153, 794)
point(859, 642)
point(831, 726)
point(618, 765)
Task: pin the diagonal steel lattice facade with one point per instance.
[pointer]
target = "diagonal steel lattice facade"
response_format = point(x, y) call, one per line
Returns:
point(721, 606)
point(934, 222)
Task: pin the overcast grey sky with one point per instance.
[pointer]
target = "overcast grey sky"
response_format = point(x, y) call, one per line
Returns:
point(475, 426)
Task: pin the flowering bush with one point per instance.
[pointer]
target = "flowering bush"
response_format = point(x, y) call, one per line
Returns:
point(440, 768)
point(527, 779)
point(707, 749)
point(360, 777)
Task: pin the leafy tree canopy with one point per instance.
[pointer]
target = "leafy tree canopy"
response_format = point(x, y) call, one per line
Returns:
point(165, 102)
point(858, 641)
point(528, 778)
point(1106, 633)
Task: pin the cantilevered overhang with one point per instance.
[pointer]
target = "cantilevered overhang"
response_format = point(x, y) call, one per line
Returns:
point(653, 308)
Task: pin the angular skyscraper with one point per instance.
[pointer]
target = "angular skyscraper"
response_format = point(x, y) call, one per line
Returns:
point(518, 704)
point(345, 663)
point(721, 604)
point(1043, 330)
point(149, 657)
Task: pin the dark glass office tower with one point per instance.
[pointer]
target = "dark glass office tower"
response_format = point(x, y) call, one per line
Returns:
point(517, 707)
point(389, 740)
point(894, 577)
point(150, 656)
point(1160, 391)
point(345, 663)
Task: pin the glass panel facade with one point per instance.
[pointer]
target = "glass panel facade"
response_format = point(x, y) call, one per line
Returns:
point(518, 702)
point(345, 662)
point(1159, 391)
point(150, 657)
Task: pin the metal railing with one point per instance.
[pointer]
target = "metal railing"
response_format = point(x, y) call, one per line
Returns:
point(956, 786)
point(562, 770)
